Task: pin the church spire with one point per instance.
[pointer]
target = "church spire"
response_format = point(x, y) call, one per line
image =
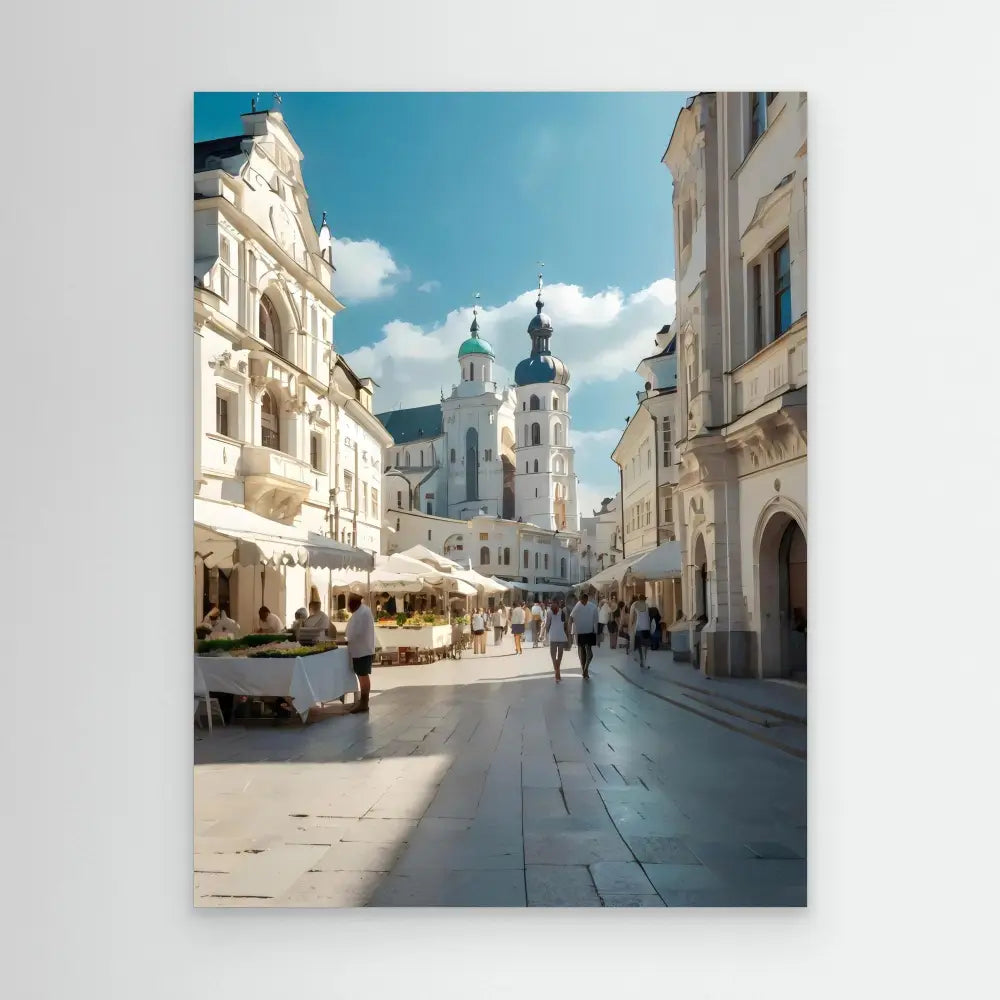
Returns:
point(474, 329)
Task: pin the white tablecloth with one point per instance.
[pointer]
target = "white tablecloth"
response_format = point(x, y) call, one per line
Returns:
point(305, 680)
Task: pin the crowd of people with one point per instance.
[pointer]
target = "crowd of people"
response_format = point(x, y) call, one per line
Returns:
point(558, 624)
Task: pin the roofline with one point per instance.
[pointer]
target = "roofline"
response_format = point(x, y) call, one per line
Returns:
point(688, 104)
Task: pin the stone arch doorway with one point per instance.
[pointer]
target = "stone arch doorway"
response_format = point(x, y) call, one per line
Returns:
point(781, 560)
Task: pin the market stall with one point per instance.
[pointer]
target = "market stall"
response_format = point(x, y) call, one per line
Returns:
point(304, 680)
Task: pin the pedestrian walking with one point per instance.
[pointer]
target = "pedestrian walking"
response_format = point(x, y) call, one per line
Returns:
point(360, 634)
point(571, 603)
point(517, 616)
point(499, 621)
point(536, 623)
point(639, 627)
point(555, 627)
point(603, 620)
point(478, 631)
point(654, 627)
point(584, 620)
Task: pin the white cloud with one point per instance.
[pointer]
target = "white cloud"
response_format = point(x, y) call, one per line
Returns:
point(605, 438)
point(429, 286)
point(600, 337)
point(365, 270)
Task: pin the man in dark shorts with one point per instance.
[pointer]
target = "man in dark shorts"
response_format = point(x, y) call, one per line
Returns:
point(361, 648)
point(584, 616)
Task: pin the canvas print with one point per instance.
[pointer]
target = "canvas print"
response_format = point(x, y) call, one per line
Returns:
point(500, 519)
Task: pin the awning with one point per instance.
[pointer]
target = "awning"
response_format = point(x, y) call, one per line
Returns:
point(227, 535)
point(663, 563)
point(424, 554)
point(480, 582)
point(545, 588)
point(612, 575)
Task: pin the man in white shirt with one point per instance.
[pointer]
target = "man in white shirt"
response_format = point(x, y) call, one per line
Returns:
point(499, 620)
point(268, 623)
point(360, 634)
point(603, 617)
point(584, 618)
point(536, 623)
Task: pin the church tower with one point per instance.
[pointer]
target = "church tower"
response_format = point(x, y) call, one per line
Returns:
point(478, 425)
point(545, 482)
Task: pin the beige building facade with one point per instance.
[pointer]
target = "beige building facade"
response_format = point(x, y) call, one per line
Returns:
point(739, 167)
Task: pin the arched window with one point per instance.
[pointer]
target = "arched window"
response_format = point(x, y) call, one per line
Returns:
point(525, 558)
point(562, 569)
point(536, 560)
point(270, 433)
point(471, 376)
point(533, 403)
point(536, 434)
point(555, 402)
point(499, 556)
point(421, 458)
point(472, 464)
point(452, 456)
point(524, 406)
point(559, 439)
point(525, 466)
point(484, 556)
point(527, 435)
point(506, 557)
point(407, 459)
point(558, 466)
point(536, 465)
point(268, 327)
point(546, 560)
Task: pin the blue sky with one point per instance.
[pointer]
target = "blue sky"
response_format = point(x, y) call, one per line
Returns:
point(433, 197)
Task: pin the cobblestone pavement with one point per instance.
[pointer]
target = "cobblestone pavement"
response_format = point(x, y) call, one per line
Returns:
point(483, 783)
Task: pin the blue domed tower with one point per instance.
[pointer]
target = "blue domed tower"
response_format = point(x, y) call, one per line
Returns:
point(545, 486)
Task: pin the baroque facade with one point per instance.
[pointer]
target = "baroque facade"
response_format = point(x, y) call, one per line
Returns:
point(283, 427)
point(502, 451)
point(739, 167)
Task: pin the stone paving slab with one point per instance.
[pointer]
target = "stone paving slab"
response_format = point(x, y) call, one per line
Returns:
point(560, 885)
point(620, 877)
point(623, 899)
point(452, 888)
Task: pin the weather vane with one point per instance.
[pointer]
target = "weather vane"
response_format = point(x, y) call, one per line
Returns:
point(541, 264)
point(277, 100)
point(475, 308)
point(253, 102)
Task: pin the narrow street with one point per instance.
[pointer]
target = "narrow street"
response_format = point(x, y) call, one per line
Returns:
point(481, 782)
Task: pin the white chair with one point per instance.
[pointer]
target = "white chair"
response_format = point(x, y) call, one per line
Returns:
point(212, 707)
point(203, 697)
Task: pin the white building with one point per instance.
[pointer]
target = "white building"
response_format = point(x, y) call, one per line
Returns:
point(490, 449)
point(538, 561)
point(739, 165)
point(274, 406)
point(545, 482)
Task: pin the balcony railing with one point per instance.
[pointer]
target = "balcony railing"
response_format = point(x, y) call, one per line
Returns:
point(778, 368)
point(258, 461)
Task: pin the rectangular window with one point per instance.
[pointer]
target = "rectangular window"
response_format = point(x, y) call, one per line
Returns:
point(221, 414)
point(758, 116)
point(429, 511)
point(363, 499)
point(648, 513)
point(399, 499)
point(349, 490)
point(668, 510)
point(489, 455)
point(224, 250)
point(757, 305)
point(375, 506)
point(314, 451)
point(483, 535)
point(782, 290)
point(667, 444)
point(223, 283)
